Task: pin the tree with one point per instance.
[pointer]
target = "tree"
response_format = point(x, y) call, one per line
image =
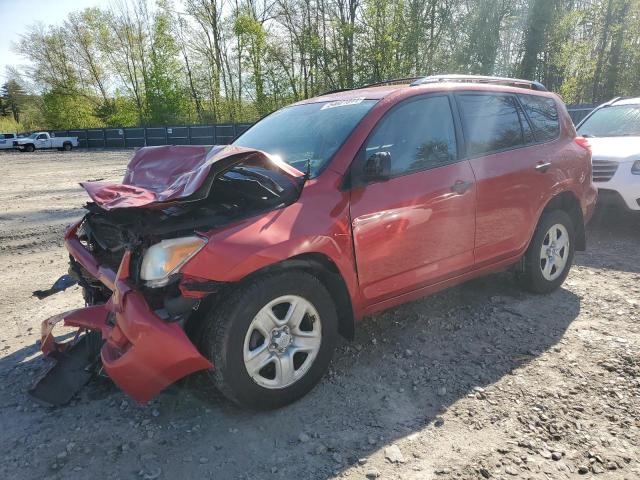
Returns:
point(236, 60)
point(13, 99)
point(539, 19)
point(165, 96)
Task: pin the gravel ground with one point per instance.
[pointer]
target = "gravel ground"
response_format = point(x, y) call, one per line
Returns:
point(480, 381)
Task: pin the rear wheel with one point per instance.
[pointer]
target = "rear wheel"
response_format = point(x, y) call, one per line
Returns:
point(272, 340)
point(67, 147)
point(550, 254)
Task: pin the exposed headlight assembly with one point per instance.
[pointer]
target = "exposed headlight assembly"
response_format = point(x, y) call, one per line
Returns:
point(164, 259)
point(635, 168)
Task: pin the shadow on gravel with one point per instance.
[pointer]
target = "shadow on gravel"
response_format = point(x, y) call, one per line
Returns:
point(610, 231)
point(406, 367)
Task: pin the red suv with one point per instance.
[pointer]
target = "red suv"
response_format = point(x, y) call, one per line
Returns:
point(249, 260)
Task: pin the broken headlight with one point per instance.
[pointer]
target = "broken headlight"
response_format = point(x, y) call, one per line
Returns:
point(164, 259)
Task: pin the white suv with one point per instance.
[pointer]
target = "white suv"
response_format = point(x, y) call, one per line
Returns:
point(613, 130)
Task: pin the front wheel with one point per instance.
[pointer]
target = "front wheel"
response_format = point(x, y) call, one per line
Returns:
point(550, 254)
point(272, 340)
point(29, 148)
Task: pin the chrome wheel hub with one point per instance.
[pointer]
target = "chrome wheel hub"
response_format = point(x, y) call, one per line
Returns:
point(282, 342)
point(281, 338)
point(554, 252)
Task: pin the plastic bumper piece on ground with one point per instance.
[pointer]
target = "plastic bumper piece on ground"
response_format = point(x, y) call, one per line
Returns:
point(142, 353)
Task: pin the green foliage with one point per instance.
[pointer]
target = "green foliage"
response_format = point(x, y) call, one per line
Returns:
point(122, 113)
point(12, 97)
point(214, 61)
point(63, 111)
point(9, 125)
point(166, 98)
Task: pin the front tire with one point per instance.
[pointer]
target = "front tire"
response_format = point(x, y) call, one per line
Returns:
point(550, 254)
point(272, 340)
point(29, 148)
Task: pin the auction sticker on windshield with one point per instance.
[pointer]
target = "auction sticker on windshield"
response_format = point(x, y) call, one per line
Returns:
point(343, 103)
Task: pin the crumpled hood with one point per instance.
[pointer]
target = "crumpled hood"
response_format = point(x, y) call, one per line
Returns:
point(618, 149)
point(169, 173)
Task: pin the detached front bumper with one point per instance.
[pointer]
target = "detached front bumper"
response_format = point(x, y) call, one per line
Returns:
point(142, 353)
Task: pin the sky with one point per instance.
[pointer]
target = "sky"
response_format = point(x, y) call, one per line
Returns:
point(17, 15)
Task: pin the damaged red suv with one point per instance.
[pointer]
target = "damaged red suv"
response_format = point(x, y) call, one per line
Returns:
point(247, 261)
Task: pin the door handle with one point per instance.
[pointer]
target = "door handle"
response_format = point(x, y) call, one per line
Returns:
point(461, 186)
point(543, 167)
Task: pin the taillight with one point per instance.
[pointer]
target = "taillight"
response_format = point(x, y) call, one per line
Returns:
point(583, 142)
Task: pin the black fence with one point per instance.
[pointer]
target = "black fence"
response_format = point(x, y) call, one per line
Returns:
point(131, 137)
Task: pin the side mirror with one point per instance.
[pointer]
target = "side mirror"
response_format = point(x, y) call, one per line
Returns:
point(378, 166)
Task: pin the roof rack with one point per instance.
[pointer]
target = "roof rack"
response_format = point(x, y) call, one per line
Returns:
point(512, 82)
point(393, 81)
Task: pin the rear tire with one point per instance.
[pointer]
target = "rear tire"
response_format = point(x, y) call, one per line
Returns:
point(550, 254)
point(272, 340)
point(67, 147)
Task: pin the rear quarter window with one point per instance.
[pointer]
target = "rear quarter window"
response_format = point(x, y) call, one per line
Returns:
point(543, 114)
point(491, 123)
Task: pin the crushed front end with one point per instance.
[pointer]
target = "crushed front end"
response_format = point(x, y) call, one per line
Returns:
point(127, 259)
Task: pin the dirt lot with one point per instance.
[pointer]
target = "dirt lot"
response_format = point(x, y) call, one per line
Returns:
point(481, 381)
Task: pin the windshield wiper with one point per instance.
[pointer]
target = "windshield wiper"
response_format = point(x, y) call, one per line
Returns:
point(275, 189)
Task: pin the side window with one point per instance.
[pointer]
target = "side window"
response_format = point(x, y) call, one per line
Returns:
point(42, 137)
point(490, 122)
point(419, 135)
point(543, 114)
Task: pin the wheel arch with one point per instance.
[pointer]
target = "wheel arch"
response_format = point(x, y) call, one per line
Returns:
point(325, 270)
point(568, 202)
point(317, 264)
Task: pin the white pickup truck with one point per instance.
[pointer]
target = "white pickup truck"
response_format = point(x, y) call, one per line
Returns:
point(6, 140)
point(42, 141)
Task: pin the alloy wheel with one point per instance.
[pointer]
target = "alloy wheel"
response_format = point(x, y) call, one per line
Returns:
point(554, 252)
point(282, 342)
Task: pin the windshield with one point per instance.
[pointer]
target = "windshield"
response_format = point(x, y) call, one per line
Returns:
point(33, 135)
point(309, 133)
point(614, 121)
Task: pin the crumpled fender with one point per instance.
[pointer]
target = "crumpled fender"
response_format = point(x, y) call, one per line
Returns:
point(175, 172)
point(141, 353)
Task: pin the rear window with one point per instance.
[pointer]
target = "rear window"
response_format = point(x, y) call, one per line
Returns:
point(491, 123)
point(543, 114)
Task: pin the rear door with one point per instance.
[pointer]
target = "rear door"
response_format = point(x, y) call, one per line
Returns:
point(512, 169)
point(416, 228)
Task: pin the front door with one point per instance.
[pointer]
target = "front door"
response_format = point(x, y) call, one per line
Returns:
point(43, 141)
point(417, 228)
